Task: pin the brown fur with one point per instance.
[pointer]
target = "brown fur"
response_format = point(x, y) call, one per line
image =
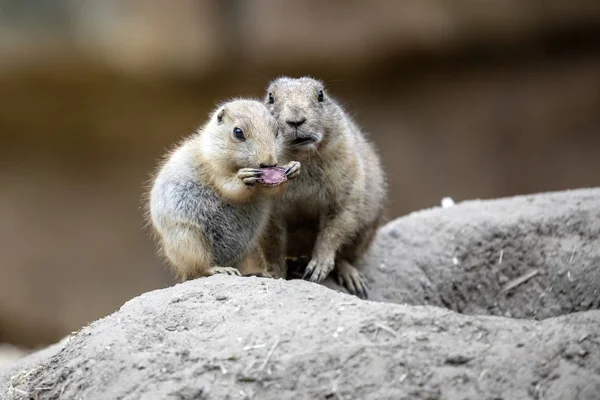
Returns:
point(333, 210)
point(205, 212)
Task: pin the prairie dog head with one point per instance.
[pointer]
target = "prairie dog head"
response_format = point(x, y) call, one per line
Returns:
point(240, 134)
point(304, 113)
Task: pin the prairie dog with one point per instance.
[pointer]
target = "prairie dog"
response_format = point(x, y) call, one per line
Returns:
point(334, 208)
point(207, 204)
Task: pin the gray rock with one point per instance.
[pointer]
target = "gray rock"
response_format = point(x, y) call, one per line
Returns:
point(241, 338)
point(470, 257)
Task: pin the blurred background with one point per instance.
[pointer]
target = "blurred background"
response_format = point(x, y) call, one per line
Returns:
point(464, 98)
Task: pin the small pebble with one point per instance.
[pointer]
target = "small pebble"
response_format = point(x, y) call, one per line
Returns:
point(447, 202)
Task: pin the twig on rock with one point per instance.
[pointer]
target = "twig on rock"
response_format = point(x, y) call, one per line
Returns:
point(269, 355)
point(482, 374)
point(386, 328)
point(266, 291)
point(248, 369)
point(245, 376)
point(222, 318)
point(336, 391)
point(19, 391)
point(572, 255)
point(518, 281)
point(257, 346)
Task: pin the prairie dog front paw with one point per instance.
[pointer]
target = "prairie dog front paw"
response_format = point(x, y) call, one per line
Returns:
point(292, 169)
point(250, 176)
point(318, 270)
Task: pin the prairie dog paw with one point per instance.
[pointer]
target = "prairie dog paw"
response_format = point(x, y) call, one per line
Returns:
point(250, 176)
point(292, 169)
point(318, 270)
point(224, 270)
point(352, 279)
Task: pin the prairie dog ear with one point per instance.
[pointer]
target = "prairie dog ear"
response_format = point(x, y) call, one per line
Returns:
point(220, 115)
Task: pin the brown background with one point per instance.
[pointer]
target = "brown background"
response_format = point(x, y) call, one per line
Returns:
point(466, 99)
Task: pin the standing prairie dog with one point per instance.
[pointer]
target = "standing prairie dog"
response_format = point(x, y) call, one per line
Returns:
point(211, 199)
point(334, 208)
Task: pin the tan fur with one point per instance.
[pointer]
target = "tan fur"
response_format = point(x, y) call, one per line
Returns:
point(335, 206)
point(203, 178)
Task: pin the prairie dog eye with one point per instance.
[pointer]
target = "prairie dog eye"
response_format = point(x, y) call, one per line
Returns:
point(238, 134)
point(271, 98)
point(320, 96)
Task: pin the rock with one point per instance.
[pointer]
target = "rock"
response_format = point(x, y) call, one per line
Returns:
point(268, 341)
point(231, 338)
point(9, 372)
point(460, 258)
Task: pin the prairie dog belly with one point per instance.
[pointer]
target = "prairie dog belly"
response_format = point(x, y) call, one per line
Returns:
point(302, 219)
point(229, 228)
point(308, 198)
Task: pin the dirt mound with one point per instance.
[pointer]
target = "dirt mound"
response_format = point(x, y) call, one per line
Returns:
point(234, 338)
point(248, 338)
point(527, 257)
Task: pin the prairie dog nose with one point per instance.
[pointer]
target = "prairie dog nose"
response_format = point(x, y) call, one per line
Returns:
point(296, 123)
point(268, 161)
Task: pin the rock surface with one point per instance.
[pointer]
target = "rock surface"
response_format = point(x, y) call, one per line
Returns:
point(467, 257)
point(241, 338)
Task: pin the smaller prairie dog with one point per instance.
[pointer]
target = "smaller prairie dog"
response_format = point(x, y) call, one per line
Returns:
point(334, 208)
point(212, 197)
